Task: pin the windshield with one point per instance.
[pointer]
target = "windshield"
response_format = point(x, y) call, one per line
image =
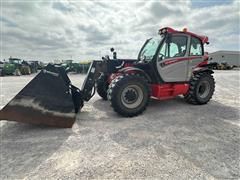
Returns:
point(150, 48)
point(15, 61)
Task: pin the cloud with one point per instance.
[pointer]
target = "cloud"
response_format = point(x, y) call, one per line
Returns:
point(8, 22)
point(85, 29)
point(61, 6)
point(161, 9)
point(94, 34)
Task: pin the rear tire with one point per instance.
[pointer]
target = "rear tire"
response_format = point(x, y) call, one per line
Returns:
point(102, 86)
point(129, 95)
point(201, 88)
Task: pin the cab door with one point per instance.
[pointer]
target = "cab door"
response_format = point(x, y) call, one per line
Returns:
point(196, 55)
point(172, 59)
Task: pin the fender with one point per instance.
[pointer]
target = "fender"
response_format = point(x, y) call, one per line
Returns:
point(134, 70)
point(210, 65)
point(203, 69)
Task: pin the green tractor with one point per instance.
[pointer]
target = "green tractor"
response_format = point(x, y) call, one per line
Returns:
point(7, 68)
point(70, 66)
point(15, 66)
point(35, 66)
point(81, 67)
point(67, 65)
point(21, 66)
point(85, 66)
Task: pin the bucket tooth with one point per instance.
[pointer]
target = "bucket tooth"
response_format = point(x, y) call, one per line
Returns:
point(48, 99)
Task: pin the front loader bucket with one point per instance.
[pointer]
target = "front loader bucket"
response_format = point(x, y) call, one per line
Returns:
point(49, 99)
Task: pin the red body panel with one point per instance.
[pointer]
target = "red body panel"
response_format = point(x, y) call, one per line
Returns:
point(167, 91)
point(204, 39)
point(205, 60)
point(112, 77)
point(175, 60)
point(202, 63)
point(162, 91)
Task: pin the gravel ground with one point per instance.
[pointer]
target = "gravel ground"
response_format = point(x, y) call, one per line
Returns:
point(170, 140)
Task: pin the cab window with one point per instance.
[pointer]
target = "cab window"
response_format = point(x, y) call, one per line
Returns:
point(175, 47)
point(196, 47)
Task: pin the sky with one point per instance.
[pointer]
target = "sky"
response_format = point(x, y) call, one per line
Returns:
point(86, 30)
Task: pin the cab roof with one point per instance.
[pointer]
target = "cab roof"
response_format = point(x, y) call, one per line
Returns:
point(204, 39)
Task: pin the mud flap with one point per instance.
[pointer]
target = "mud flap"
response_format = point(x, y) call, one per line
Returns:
point(49, 99)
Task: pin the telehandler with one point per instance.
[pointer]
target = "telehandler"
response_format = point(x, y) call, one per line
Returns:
point(171, 64)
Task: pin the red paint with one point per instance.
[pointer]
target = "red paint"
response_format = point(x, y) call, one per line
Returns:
point(172, 61)
point(112, 77)
point(204, 62)
point(128, 65)
point(204, 39)
point(162, 91)
point(127, 69)
point(167, 91)
point(170, 30)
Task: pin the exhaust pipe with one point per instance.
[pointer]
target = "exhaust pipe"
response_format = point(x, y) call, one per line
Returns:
point(49, 99)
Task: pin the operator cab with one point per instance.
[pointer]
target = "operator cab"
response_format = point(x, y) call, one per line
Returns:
point(172, 54)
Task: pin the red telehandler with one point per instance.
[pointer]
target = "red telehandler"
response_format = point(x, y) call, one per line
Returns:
point(172, 63)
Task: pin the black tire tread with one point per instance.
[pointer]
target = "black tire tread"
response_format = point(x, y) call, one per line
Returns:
point(191, 97)
point(115, 86)
point(101, 86)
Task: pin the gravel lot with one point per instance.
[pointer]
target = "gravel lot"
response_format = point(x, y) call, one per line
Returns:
point(171, 140)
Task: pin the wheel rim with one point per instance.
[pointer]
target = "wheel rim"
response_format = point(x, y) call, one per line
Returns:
point(132, 96)
point(203, 89)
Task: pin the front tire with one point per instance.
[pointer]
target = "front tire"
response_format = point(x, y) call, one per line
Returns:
point(102, 86)
point(201, 88)
point(129, 95)
point(17, 72)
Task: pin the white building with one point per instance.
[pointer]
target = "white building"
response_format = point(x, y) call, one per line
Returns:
point(230, 57)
